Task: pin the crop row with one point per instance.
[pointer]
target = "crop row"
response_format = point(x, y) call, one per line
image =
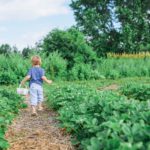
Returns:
point(101, 120)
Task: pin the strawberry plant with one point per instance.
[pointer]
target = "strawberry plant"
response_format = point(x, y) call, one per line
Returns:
point(102, 120)
point(9, 106)
point(137, 91)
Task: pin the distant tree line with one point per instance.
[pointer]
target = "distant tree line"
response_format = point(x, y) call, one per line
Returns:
point(117, 26)
point(7, 50)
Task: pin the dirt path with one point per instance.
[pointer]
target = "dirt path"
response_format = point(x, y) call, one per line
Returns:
point(37, 133)
point(109, 87)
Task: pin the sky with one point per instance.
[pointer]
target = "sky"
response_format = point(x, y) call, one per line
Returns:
point(25, 22)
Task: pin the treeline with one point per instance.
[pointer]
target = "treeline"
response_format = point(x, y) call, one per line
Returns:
point(7, 50)
point(116, 26)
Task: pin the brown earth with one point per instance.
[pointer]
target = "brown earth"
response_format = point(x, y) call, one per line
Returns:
point(37, 132)
point(109, 87)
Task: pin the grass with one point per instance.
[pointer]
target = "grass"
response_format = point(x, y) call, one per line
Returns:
point(100, 83)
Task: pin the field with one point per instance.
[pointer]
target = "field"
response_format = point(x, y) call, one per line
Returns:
point(98, 114)
point(104, 108)
point(10, 103)
point(95, 63)
point(104, 114)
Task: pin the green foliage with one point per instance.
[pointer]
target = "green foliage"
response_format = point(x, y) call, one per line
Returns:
point(94, 20)
point(70, 44)
point(13, 68)
point(133, 17)
point(81, 71)
point(122, 67)
point(5, 49)
point(7, 77)
point(137, 91)
point(55, 66)
point(27, 51)
point(101, 120)
point(114, 25)
point(9, 105)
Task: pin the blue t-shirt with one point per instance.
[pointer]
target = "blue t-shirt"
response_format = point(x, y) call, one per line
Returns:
point(36, 74)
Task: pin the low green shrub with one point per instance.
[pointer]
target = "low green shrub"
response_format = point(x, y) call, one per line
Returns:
point(82, 71)
point(14, 67)
point(137, 91)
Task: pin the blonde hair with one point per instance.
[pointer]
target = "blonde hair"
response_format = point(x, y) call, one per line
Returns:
point(36, 60)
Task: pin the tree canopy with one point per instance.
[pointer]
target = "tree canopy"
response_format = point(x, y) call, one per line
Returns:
point(114, 25)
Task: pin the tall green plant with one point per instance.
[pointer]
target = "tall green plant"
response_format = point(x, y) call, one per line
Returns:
point(55, 66)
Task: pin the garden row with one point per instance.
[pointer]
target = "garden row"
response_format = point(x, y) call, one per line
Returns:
point(15, 67)
point(104, 120)
point(9, 108)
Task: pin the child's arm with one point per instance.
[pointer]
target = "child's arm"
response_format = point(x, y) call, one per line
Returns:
point(46, 80)
point(25, 79)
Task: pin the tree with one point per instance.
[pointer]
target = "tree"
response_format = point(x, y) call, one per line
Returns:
point(5, 49)
point(27, 51)
point(15, 50)
point(135, 25)
point(95, 19)
point(70, 44)
point(114, 25)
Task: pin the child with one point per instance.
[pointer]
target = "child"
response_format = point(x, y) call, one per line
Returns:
point(36, 75)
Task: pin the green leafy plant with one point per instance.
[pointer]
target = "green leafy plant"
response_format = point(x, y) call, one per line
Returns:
point(137, 91)
point(101, 120)
point(56, 66)
point(10, 103)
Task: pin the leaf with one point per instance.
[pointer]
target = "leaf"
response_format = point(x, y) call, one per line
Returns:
point(94, 121)
point(126, 130)
point(95, 144)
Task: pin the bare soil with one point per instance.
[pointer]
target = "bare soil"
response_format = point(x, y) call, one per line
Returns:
point(109, 87)
point(37, 132)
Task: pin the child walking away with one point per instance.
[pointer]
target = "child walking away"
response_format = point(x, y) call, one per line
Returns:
point(36, 75)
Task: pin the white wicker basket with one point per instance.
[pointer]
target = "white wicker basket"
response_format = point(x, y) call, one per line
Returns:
point(22, 91)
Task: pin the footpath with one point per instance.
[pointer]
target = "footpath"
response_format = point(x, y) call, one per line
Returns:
point(37, 132)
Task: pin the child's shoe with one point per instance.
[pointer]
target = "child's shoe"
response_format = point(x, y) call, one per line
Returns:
point(40, 108)
point(34, 114)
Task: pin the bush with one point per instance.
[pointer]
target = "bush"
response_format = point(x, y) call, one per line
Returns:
point(81, 71)
point(70, 44)
point(113, 74)
point(56, 66)
point(13, 68)
point(7, 77)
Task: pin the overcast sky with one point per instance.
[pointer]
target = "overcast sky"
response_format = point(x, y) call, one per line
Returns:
point(24, 22)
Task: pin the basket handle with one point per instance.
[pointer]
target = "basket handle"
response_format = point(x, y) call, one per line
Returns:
point(20, 86)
